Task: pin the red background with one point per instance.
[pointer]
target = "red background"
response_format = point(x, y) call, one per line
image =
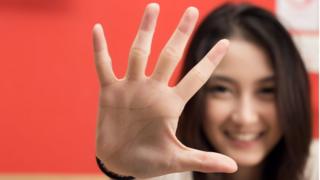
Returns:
point(48, 85)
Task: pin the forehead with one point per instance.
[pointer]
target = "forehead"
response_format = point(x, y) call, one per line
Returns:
point(244, 61)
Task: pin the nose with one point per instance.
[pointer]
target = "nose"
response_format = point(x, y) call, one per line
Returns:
point(245, 110)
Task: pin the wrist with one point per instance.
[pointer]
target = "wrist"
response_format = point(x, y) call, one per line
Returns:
point(110, 174)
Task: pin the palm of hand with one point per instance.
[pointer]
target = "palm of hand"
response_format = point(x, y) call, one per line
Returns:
point(140, 125)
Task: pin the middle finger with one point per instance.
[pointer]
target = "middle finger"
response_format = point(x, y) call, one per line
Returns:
point(173, 50)
point(141, 46)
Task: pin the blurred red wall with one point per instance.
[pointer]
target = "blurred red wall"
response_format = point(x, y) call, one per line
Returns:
point(48, 84)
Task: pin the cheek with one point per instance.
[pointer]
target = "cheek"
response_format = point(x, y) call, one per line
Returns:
point(271, 120)
point(269, 116)
point(217, 113)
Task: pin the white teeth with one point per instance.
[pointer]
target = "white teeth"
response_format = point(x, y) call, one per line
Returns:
point(244, 137)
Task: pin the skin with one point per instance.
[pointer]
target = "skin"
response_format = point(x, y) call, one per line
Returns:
point(241, 99)
point(138, 115)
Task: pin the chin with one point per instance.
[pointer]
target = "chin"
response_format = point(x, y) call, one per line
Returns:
point(247, 159)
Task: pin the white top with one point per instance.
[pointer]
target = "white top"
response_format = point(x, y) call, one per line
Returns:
point(311, 170)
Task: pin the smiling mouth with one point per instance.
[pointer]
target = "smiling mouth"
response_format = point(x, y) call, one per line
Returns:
point(244, 137)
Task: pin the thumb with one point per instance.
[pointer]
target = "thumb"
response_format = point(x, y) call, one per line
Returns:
point(206, 162)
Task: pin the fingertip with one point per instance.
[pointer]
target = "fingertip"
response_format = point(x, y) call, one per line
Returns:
point(153, 6)
point(221, 163)
point(224, 42)
point(189, 20)
point(151, 14)
point(97, 26)
point(98, 37)
point(192, 11)
point(96, 30)
point(233, 167)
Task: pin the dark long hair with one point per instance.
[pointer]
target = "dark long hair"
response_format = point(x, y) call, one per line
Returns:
point(287, 159)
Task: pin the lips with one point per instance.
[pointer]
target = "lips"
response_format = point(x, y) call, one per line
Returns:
point(244, 136)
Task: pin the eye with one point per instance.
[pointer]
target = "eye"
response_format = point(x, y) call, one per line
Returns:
point(267, 90)
point(267, 93)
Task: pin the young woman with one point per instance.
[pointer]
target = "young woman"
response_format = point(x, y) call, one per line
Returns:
point(254, 107)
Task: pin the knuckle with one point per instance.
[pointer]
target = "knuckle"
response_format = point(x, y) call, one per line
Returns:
point(200, 75)
point(171, 53)
point(138, 52)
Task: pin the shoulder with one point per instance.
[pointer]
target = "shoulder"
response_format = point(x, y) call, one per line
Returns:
point(311, 170)
point(175, 176)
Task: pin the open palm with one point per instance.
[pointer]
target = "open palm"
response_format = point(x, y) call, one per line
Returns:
point(138, 115)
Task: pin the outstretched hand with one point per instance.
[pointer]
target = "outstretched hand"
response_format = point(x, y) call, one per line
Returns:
point(138, 115)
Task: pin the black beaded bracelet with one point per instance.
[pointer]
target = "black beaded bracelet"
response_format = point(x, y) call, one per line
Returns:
point(110, 174)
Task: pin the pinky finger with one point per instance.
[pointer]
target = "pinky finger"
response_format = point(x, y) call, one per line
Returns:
point(102, 57)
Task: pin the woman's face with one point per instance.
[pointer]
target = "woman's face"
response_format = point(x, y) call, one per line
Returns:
point(241, 119)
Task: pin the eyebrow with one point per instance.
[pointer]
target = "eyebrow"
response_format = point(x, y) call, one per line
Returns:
point(221, 78)
point(267, 79)
point(230, 80)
